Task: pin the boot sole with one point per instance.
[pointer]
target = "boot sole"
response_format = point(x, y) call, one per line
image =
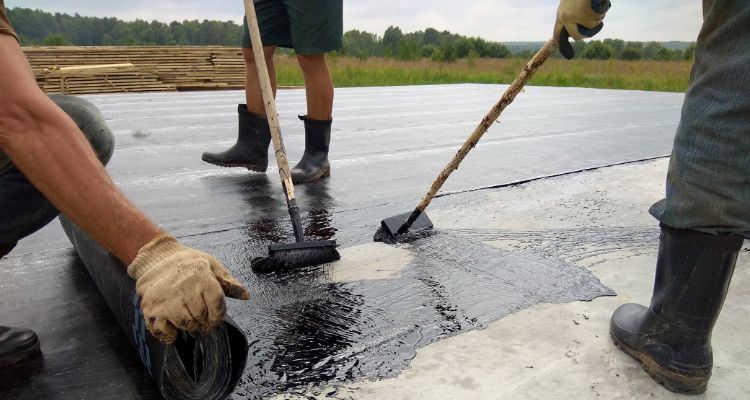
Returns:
point(251, 167)
point(322, 174)
point(21, 355)
point(672, 381)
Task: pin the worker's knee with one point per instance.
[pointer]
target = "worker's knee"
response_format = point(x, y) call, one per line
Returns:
point(312, 63)
point(249, 56)
point(91, 122)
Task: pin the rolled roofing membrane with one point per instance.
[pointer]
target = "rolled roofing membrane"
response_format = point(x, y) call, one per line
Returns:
point(197, 366)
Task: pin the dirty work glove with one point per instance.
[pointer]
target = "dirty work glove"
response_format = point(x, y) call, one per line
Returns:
point(181, 288)
point(578, 19)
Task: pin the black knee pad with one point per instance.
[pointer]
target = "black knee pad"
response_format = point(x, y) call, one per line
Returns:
point(90, 121)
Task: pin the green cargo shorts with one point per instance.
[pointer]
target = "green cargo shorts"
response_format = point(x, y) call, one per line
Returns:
point(307, 26)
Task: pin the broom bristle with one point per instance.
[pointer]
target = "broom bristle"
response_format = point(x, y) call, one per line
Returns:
point(298, 255)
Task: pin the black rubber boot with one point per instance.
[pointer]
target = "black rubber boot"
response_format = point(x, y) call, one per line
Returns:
point(251, 149)
point(672, 338)
point(314, 164)
point(16, 345)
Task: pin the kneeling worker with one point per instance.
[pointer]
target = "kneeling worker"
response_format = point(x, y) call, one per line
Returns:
point(47, 164)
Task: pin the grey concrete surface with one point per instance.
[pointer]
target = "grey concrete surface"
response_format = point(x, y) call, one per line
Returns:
point(597, 220)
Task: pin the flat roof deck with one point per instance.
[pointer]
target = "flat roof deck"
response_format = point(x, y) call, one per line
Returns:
point(387, 146)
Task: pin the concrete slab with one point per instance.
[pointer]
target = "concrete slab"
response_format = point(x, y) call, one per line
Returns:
point(597, 220)
point(369, 261)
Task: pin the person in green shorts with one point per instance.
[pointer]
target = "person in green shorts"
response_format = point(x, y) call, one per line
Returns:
point(312, 28)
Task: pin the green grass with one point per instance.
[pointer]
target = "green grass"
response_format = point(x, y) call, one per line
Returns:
point(667, 76)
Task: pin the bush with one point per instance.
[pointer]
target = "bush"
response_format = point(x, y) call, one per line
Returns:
point(56, 39)
point(597, 51)
point(631, 54)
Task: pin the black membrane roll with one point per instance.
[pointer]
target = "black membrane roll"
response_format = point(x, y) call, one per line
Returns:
point(197, 366)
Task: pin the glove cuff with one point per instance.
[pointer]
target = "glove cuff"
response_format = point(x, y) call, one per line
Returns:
point(160, 247)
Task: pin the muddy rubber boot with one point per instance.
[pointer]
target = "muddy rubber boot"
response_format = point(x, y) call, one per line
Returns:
point(314, 164)
point(251, 149)
point(16, 345)
point(672, 338)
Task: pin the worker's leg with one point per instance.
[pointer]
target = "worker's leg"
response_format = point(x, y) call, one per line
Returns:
point(253, 95)
point(705, 214)
point(318, 86)
point(319, 90)
point(23, 209)
point(253, 135)
point(317, 28)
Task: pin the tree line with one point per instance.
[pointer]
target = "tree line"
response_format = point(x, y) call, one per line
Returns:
point(631, 51)
point(37, 27)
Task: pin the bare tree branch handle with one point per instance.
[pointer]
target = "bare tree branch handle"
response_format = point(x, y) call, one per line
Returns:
point(528, 71)
point(268, 101)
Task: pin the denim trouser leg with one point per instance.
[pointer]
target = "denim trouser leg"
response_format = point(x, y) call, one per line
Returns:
point(708, 183)
point(23, 209)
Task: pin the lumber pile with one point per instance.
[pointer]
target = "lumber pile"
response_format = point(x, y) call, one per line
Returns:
point(81, 70)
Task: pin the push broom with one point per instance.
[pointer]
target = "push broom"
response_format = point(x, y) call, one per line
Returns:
point(416, 222)
point(302, 253)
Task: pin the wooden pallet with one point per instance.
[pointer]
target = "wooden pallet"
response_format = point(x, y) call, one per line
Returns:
point(153, 68)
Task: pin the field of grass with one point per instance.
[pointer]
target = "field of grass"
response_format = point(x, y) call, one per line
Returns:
point(667, 76)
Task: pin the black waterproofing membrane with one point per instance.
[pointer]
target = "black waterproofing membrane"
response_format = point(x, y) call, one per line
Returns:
point(197, 366)
point(306, 330)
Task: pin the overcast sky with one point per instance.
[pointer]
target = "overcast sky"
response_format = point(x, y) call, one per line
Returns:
point(499, 20)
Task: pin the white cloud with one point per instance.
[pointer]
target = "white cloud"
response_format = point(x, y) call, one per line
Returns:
point(501, 20)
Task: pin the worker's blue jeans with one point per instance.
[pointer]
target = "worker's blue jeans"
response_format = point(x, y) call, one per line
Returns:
point(23, 209)
point(708, 183)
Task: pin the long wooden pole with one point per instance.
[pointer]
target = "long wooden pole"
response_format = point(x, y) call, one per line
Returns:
point(268, 100)
point(273, 119)
point(510, 94)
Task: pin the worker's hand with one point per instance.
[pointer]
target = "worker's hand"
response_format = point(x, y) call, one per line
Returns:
point(578, 19)
point(181, 288)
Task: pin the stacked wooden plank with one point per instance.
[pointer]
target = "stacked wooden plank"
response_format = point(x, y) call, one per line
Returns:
point(153, 68)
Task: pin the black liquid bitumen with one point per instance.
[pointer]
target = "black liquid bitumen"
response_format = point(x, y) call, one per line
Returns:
point(305, 330)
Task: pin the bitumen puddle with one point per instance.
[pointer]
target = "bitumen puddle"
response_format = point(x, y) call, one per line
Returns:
point(306, 328)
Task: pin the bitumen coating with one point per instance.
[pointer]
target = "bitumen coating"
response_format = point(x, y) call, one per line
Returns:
point(311, 327)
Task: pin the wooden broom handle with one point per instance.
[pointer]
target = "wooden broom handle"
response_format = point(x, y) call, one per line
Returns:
point(268, 100)
point(528, 71)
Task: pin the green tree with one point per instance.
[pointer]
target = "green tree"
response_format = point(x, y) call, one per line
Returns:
point(597, 50)
point(664, 54)
point(616, 45)
point(391, 39)
point(631, 53)
point(56, 39)
point(651, 50)
point(408, 50)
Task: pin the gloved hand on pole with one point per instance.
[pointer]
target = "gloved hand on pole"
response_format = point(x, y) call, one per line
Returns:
point(578, 19)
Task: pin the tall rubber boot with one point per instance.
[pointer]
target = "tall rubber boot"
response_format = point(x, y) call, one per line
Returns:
point(17, 345)
point(672, 338)
point(314, 164)
point(251, 149)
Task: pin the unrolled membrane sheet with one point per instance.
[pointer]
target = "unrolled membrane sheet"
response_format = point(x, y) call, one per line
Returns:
point(196, 366)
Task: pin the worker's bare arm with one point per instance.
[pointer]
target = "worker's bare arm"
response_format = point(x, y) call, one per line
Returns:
point(47, 146)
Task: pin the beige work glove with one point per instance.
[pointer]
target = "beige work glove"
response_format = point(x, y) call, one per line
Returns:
point(578, 19)
point(181, 288)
